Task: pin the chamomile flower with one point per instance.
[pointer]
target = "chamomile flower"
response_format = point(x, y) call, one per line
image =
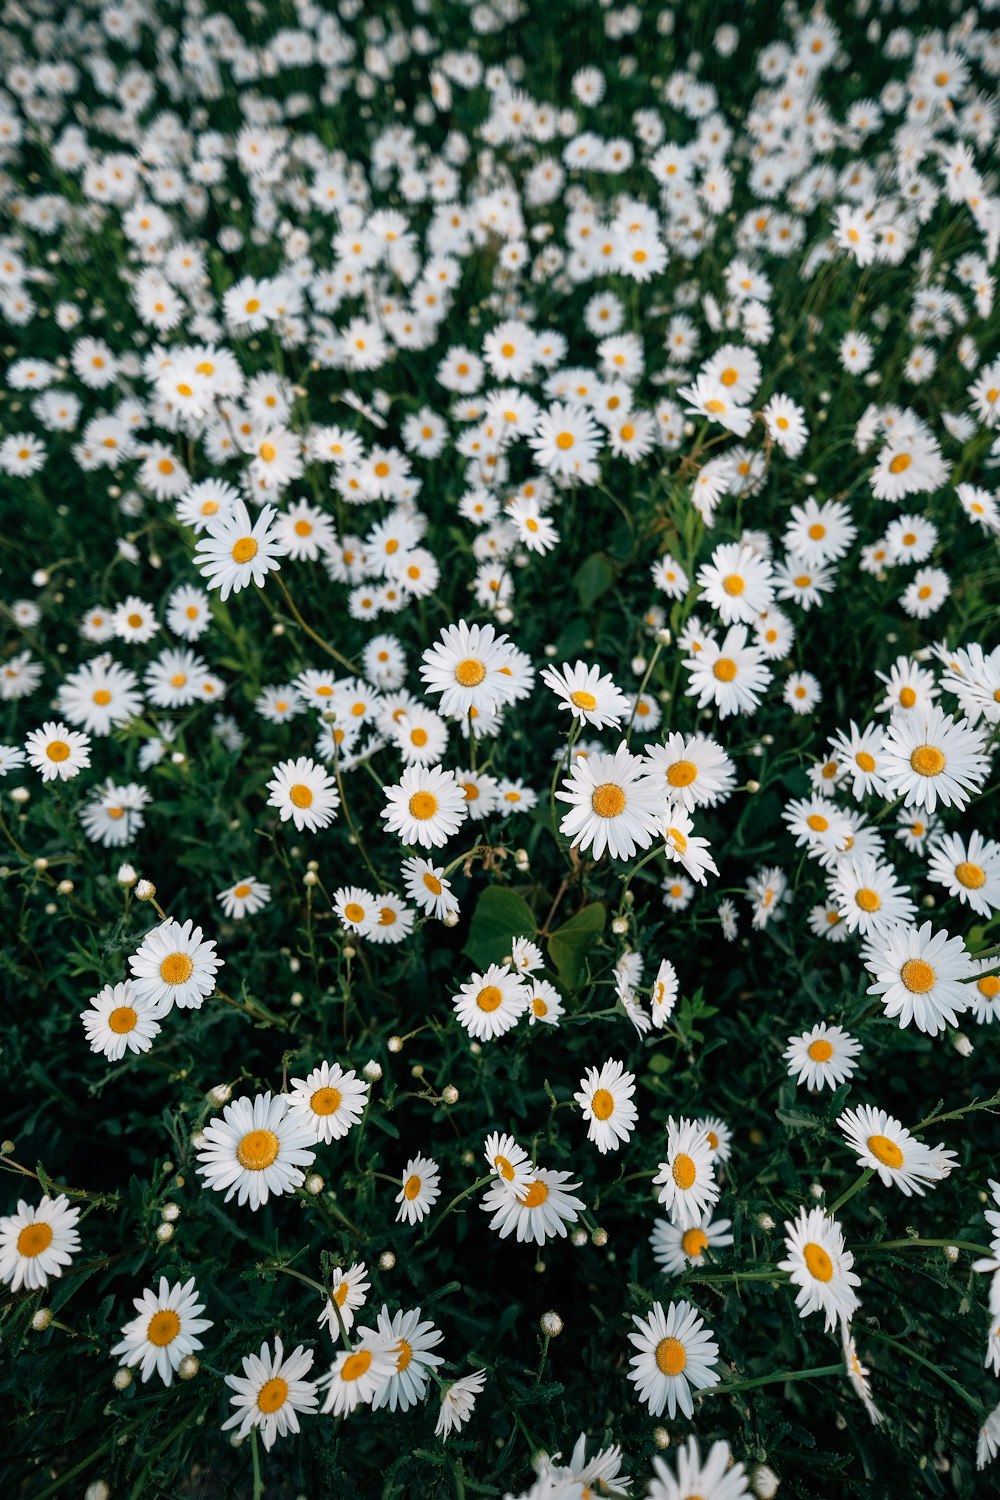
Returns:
point(984, 995)
point(736, 583)
point(244, 898)
point(857, 1374)
point(868, 897)
point(329, 1100)
point(164, 1331)
point(663, 995)
point(676, 1356)
point(304, 792)
point(257, 1149)
point(420, 1189)
point(174, 965)
point(697, 772)
point(920, 976)
point(426, 806)
point(428, 887)
point(57, 752)
point(348, 1292)
point(882, 1143)
point(491, 1003)
point(686, 1180)
point(509, 1161)
point(37, 1243)
point(590, 695)
point(235, 552)
point(967, 868)
point(457, 1402)
point(271, 1392)
point(545, 1003)
point(410, 1342)
point(819, 1264)
point(931, 758)
point(729, 674)
point(357, 1374)
point(822, 1057)
point(675, 1249)
point(119, 1020)
point(715, 1478)
point(615, 804)
point(605, 1098)
point(543, 1209)
point(469, 667)
point(357, 909)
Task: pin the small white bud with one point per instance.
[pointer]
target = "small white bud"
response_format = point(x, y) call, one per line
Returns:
point(64, 887)
point(639, 665)
point(765, 1483)
point(41, 863)
point(188, 1367)
point(752, 787)
point(619, 926)
point(122, 1380)
point(372, 1070)
point(664, 637)
point(310, 877)
point(661, 1437)
point(961, 1044)
point(39, 578)
point(313, 864)
point(97, 1491)
point(449, 1094)
point(314, 1184)
point(599, 1238)
point(164, 1232)
point(578, 1237)
point(417, 1071)
point(551, 1325)
point(19, 794)
point(177, 757)
point(41, 1319)
point(450, 918)
point(220, 1094)
point(145, 890)
point(816, 1189)
point(395, 1044)
point(349, 951)
point(294, 963)
point(127, 875)
point(765, 1222)
point(386, 1261)
point(170, 1213)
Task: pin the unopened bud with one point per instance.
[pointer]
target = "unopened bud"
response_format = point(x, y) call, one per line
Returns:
point(220, 1094)
point(41, 1319)
point(64, 887)
point(372, 1070)
point(765, 1222)
point(765, 1483)
point(395, 1044)
point(314, 1184)
point(661, 1437)
point(145, 890)
point(122, 1379)
point(449, 1094)
point(188, 1367)
point(310, 877)
point(386, 1261)
point(752, 786)
point(170, 1213)
point(961, 1044)
point(551, 1325)
point(599, 1238)
point(127, 875)
point(450, 918)
point(619, 926)
point(164, 1233)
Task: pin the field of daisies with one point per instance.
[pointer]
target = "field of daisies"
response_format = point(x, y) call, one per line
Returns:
point(499, 701)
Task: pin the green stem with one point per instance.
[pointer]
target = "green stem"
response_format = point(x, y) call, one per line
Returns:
point(956, 1114)
point(258, 1481)
point(748, 1385)
point(908, 1352)
point(924, 1244)
point(854, 1188)
point(479, 1183)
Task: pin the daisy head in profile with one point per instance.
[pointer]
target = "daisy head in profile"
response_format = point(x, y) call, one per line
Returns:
point(887, 1148)
point(420, 1189)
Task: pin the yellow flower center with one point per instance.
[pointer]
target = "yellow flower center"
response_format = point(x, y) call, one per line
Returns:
point(927, 760)
point(671, 1356)
point(540, 1008)
point(900, 463)
point(300, 795)
point(490, 997)
point(57, 750)
point(470, 672)
point(272, 1395)
point(867, 899)
point(818, 1263)
point(724, 669)
point(257, 1150)
point(164, 1327)
point(817, 531)
point(303, 528)
point(865, 761)
point(583, 700)
point(602, 1105)
point(33, 1239)
point(608, 800)
point(989, 986)
point(411, 1187)
point(970, 875)
point(917, 975)
point(102, 697)
point(404, 1354)
point(325, 1101)
point(245, 550)
point(682, 773)
point(564, 440)
point(353, 912)
point(729, 376)
point(694, 1241)
point(683, 1171)
point(122, 1019)
point(423, 805)
point(535, 1194)
point(176, 968)
point(820, 1050)
point(885, 1151)
point(734, 584)
point(817, 822)
point(433, 884)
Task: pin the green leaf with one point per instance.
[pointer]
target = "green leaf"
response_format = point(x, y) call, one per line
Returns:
point(570, 943)
point(593, 578)
point(499, 917)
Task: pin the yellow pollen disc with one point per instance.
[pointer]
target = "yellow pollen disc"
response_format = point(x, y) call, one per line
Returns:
point(670, 1356)
point(803, 581)
point(102, 697)
point(184, 390)
point(867, 899)
point(540, 1008)
point(301, 795)
point(122, 1019)
point(678, 840)
point(303, 528)
point(340, 1295)
point(820, 1050)
point(114, 813)
point(33, 1239)
point(817, 532)
point(865, 761)
point(602, 1105)
point(733, 584)
point(729, 376)
point(490, 997)
point(694, 1241)
point(411, 1187)
point(970, 875)
point(885, 1151)
point(205, 367)
point(178, 679)
point(245, 550)
point(325, 1101)
point(713, 1140)
point(817, 822)
point(387, 916)
point(241, 892)
point(176, 968)
point(909, 539)
point(423, 805)
point(683, 1171)
point(257, 1150)
point(353, 912)
point(253, 305)
point(268, 452)
point(818, 1263)
point(404, 1354)
point(507, 350)
point(927, 760)
point(900, 463)
point(627, 433)
point(57, 750)
point(715, 407)
point(165, 466)
point(433, 884)
point(608, 801)
point(924, 593)
point(210, 508)
point(470, 672)
point(989, 986)
point(583, 700)
point(164, 1327)
point(682, 773)
point(535, 1195)
point(918, 976)
point(724, 669)
point(272, 1395)
point(564, 440)
point(907, 697)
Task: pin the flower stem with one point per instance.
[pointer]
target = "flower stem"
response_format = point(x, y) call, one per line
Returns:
point(785, 1375)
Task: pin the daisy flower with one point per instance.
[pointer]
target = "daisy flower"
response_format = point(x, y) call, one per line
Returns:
point(882, 1143)
point(544, 1002)
point(428, 887)
point(244, 898)
point(271, 1392)
point(329, 1100)
point(173, 965)
point(605, 1097)
point(425, 807)
point(675, 1356)
point(36, 1243)
point(730, 674)
point(357, 909)
point(737, 583)
point(858, 1375)
point(718, 1478)
point(983, 995)
point(357, 1374)
point(920, 977)
point(931, 758)
point(676, 1249)
point(303, 791)
point(719, 1137)
point(820, 1266)
point(697, 771)
point(491, 1003)
point(57, 752)
point(543, 1209)
point(165, 1330)
point(469, 668)
point(457, 1402)
point(257, 1149)
point(822, 1057)
point(590, 695)
point(420, 1189)
point(663, 995)
point(968, 869)
point(348, 1292)
point(410, 1342)
point(616, 805)
point(599, 1475)
point(868, 898)
point(686, 848)
point(510, 1161)
point(119, 1020)
point(235, 552)
point(686, 1179)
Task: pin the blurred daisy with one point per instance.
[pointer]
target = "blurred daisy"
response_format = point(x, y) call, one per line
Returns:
point(244, 898)
point(718, 1478)
point(858, 1375)
point(676, 1355)
point(271, 1392)
point(164, 1331)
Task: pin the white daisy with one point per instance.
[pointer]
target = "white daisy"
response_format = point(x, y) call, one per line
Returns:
point(235, 552)
point(820, 1266)
point(164, 1331)
point(37, 1243)
point(931, 758)
point(420, 1189)
point(921, 977)
point(348, 1292)
point(410, 1342)
point(616, 805)
point(491, 1003)
point(425, 807)
point(822, 1057)
point(457, 1402)
point(119, 1019)
point(590, 695)
point(357, 1374)
point(174, 966)
point(686, 1179)
point(717, 1478)
point(543, 1209)
point(329, 1100)
point(605, 1098)
point(303, 791)
point(271, 1392)
point(57, 752)
point(676, 1249)
point(258, 1148)
point(881, 1143)
point(676, 1356)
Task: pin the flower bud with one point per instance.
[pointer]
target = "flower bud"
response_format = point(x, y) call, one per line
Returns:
point(164, 1233)
point(386, 1261)
point(765, 1222)
point(41, 863)
point(145, 890)
point(122, 1379)
point(661, 1437)
point(765, 1483)
point(170, 1213)
point(310, 878)
point(188, 1367)
point(314, 1184)
point(41, 1319)
point(395, 1044)
point(449, 1094)
point(220, 1094)
point(551, 1325)
point(599, 1238)
point(127, 875)
point(619, 926)
point(372, 1070)
point(961, 1044)
point(450, 918)
point(64, 887)
point(97, 1491)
